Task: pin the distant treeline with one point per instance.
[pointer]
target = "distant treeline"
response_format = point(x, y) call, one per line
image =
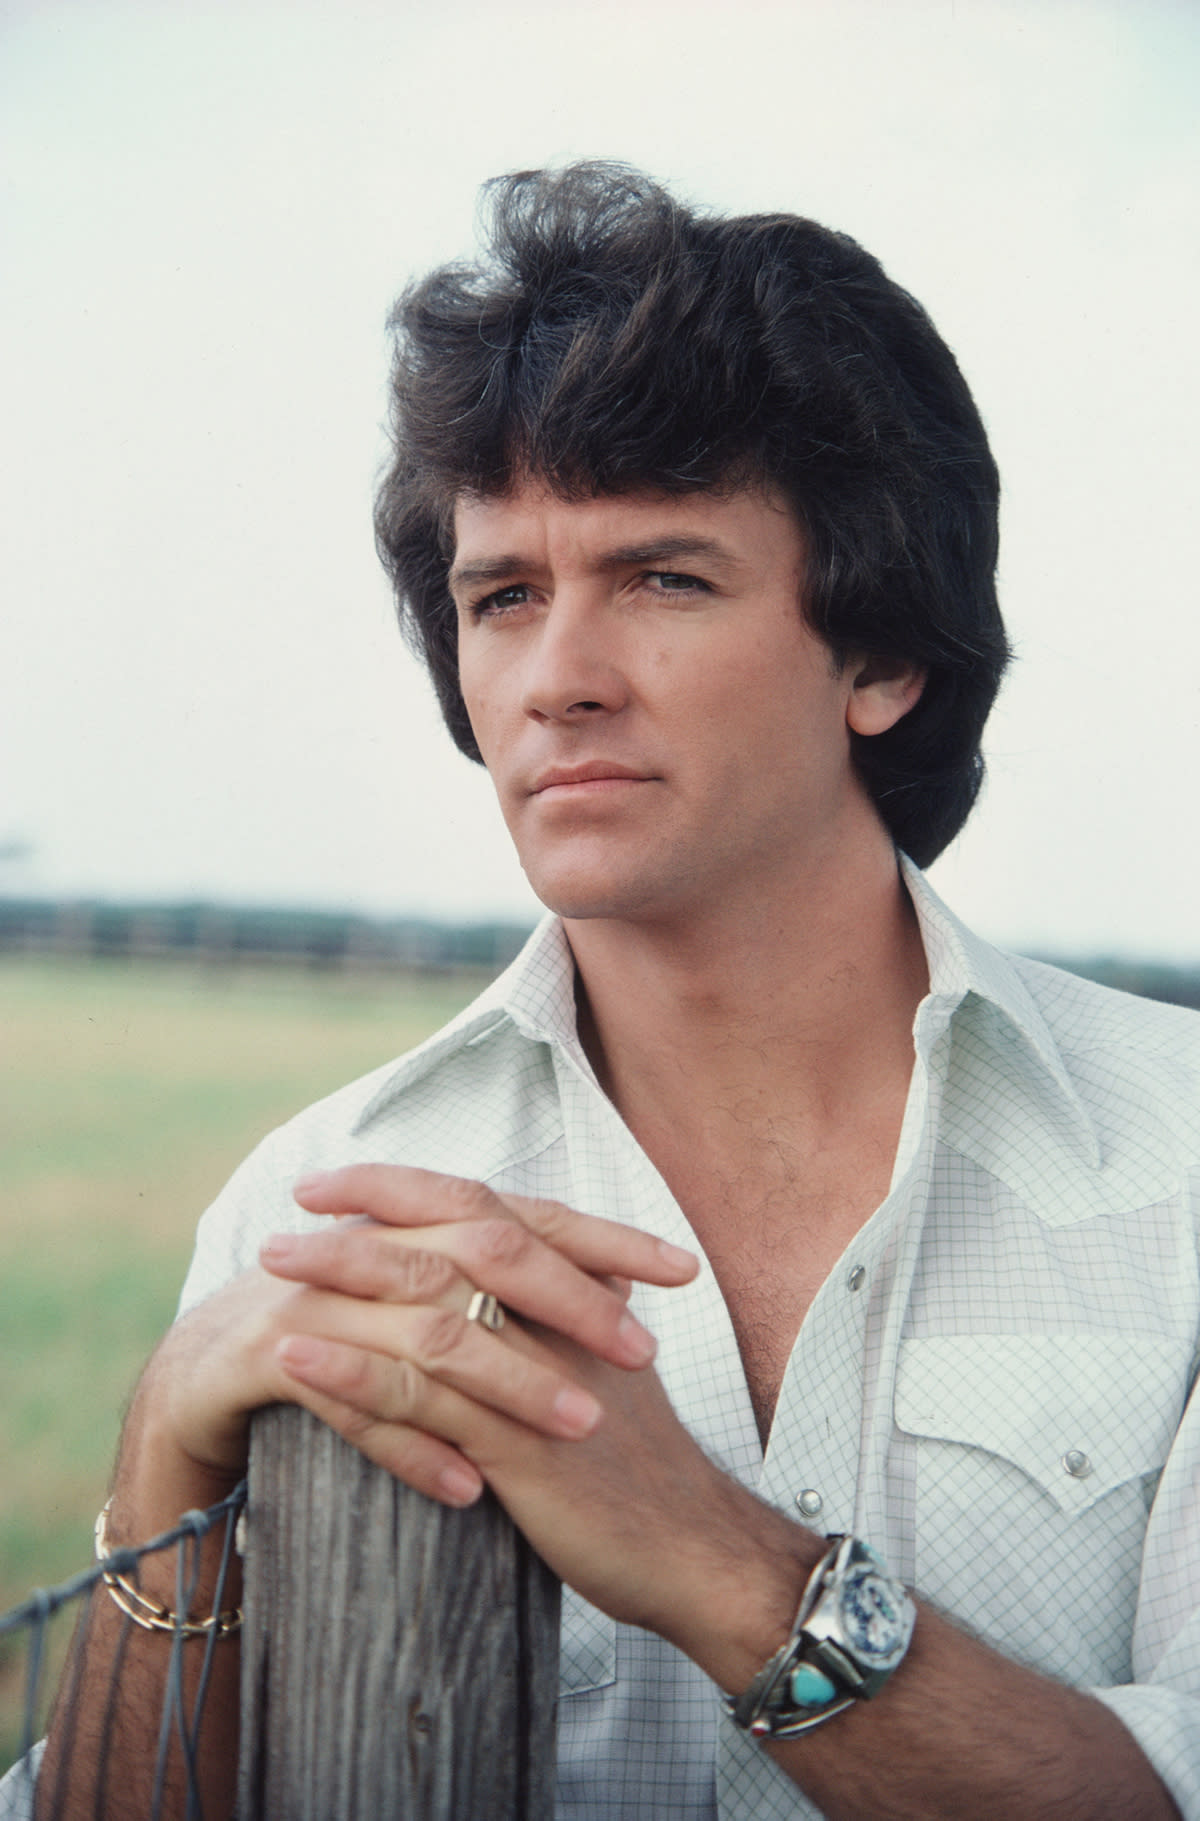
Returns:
point(229, 935)
point(1152, 979)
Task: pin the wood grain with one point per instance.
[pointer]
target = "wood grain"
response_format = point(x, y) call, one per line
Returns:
point(399, 1659)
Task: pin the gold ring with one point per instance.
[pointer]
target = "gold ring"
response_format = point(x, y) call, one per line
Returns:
point(486, 1310)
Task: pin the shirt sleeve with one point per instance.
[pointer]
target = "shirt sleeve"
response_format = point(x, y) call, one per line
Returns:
point(18, 1786)
point(1161, 1706)
point(257, 1200)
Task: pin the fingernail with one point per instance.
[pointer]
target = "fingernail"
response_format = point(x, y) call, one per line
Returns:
point(278, 1246)
point(576, 1412)
point(301, 1351)
point(304, 1185)
point(459, 1486)
point(675, 1256)
point(638, 1346)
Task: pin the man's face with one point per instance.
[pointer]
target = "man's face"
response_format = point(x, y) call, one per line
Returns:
point(663, 729)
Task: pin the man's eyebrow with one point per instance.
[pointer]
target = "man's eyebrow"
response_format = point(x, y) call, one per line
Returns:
point(676, 547)
point(496, 569)
point(656, 552)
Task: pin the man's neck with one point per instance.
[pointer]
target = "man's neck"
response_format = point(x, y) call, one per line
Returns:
point(804, 997)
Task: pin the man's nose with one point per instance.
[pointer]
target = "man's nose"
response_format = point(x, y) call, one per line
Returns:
point(574, 664)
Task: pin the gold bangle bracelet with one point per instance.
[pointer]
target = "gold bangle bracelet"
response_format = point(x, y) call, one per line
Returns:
point(148, 1613)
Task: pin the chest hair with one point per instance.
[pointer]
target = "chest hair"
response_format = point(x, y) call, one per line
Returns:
point(773, 1229)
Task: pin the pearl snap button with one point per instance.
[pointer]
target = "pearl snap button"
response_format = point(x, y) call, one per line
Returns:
point(810, 1501)
point(1077, 1464)
point(856, 1277)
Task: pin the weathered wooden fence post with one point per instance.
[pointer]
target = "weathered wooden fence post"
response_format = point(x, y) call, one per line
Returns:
point(399, 1660)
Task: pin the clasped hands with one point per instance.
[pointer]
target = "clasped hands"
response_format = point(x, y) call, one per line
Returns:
point(364, 1322)
point(381, 1346)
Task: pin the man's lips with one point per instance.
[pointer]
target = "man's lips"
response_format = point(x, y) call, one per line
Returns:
point(594, 776)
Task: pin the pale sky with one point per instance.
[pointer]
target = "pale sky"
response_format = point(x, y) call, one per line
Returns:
point(205, 213)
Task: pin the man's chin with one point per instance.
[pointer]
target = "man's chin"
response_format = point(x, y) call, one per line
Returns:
point(574, 907)
point(577, 898)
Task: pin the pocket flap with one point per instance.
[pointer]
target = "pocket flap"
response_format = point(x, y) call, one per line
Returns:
point(1079, 1412)
point(587, 1656)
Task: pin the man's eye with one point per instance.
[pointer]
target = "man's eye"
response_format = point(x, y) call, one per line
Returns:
point(502, 601)
point(669, 581)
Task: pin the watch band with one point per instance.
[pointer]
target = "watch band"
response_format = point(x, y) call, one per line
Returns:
point(850, 1634)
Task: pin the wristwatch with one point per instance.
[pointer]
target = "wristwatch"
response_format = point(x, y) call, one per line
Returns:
point(849, 1635)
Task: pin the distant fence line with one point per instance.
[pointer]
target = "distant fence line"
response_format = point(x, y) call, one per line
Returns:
point(227, 935)
point(221, 935)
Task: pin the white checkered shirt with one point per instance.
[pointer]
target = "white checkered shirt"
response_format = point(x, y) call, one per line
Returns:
point(990, 1387)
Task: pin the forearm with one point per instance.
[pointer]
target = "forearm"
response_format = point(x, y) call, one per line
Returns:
point(959, 1730)
point(103, 1747)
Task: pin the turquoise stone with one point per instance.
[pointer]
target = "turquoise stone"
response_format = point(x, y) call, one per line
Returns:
point(810, 1686)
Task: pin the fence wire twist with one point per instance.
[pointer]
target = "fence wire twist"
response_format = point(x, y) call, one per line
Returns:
point(33, 1616)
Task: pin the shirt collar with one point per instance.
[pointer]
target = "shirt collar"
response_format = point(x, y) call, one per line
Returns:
point(536, 995)
point(962, 965)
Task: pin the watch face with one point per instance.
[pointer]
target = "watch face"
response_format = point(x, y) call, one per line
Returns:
point(872, 1614)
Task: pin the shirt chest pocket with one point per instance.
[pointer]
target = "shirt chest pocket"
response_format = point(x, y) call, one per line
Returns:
point(1033, 1459)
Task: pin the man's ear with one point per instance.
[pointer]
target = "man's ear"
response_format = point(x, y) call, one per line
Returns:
point(882, 691)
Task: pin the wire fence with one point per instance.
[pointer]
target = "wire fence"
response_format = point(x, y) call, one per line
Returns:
point(29, 1625)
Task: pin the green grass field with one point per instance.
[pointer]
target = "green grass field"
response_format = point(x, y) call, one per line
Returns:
point(127, 1094)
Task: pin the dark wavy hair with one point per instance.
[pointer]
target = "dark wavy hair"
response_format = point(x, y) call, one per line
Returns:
point(613, 340)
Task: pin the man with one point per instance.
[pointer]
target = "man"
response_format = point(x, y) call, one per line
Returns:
point(694, 523)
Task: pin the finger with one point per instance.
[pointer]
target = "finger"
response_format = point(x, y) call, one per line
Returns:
point(402, 1196)
point(423, 1461)
point(445, 1264)
point(537, 1282)
point(387, 1345)
point(427, 1431)
point(608, 1248)
point(362, 1259)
